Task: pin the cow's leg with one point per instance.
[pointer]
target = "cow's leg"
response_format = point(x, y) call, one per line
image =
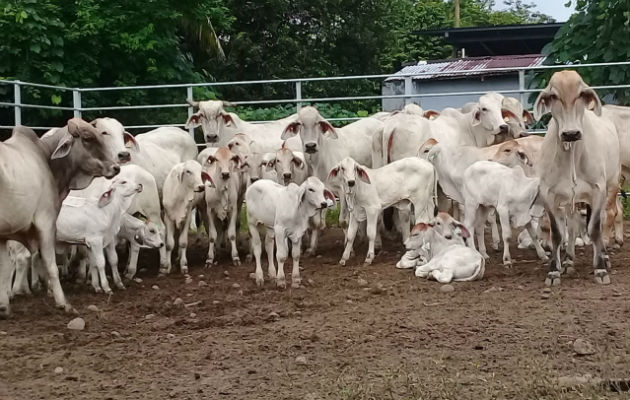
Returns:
point(353, 226)
point(182, 244)
point(601, 263)
point(98, 261)
point(540, 252)
point(212, 237)
point(132, 264)
point(231, 231)
point(20, 282)
point(443, 275)
point(256, 250)
point(496, 238)
point(270, 242)
point(282, 250)
point(37, 274)
point(404, 221)
point(372, 219)
point(315, 223)
point(611, 214)
point(553, 275)
point(170, 245)
point(619, 222)
point(573, 226)
point(506, 233)
point(5, 280)
point(296, 280)
point(112, 259)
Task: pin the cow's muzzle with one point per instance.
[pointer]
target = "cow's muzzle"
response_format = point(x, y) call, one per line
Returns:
point(212, 138)
point(571, 136)
point(310, 148)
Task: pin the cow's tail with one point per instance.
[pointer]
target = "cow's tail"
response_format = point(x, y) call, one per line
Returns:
point(480, 269)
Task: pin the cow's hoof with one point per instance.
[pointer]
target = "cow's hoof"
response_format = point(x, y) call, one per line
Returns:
point(184, 269)
point(507, 263)
point(485, 256)
point(309, 253)
point(281, 283)
point(5, 311)
point(260, 282)
point(119, 285)
point(367, 262)
point(127, 276)
point(98, 290)
point(570, 271)
point(342, 262)
point(544, 259)
point(553, 278)
point(495, 246)
point(602, 277)
point(108, 291)
point(249, 258)
point(165, 271)
point(296, 284)
point(236, 261)
point(209, 263)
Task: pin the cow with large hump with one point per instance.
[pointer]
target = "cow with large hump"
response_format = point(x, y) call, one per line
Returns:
point(579, 163)
point(35, 176)
point(220, 126)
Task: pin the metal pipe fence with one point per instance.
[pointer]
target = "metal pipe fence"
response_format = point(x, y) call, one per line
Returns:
point(78, 107)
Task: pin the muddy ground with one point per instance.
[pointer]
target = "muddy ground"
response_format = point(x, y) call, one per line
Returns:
point(398, 337)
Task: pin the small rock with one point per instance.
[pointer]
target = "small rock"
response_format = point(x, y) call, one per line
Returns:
point(362, 282)
point(92, 307)
point(137, 280)
point(215, 302)
point(583, 347)
point(178, 302)
point(155, 287)
point(189, 294)
point(478, 347)
point(58, 370)
point(492, 289)
point(77, 324)
point(193, 315)
point(202, 284)
point(310, 281)
point(547, 290)
point(616, 294)
point(226, 273)
point(188, 281)
point(2, 333)
point(170, 336)
point(149, 316)
point(236, 285)
point(545, 295)
point(300, 360)
point(168, 304)
point(115, 333)
point(273, 315)
point(520, 287)
point(447, 288)
point(349, 301)
point(318, 256)
point(297, 313)
point(201, 276)
point(240, 292)
point(378, 289)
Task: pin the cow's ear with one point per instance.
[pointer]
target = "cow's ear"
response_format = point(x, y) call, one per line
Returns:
point(237, 160)
point(194, 120)
point(431, 114)
point(130, 141)
point(138, 239)
point(333, 172)
point(542, 105)
point(528, 118)
point(476, 117)
point(227, 119)
point(464, 232)
point(508, 115)
point(105, 198)
point(591, 99)
point(362, 174)
point(63, 148)
point(291, 130)
point(298, 162)
point(327, 129)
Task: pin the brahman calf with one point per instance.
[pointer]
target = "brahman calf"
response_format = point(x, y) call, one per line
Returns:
point(284, 211)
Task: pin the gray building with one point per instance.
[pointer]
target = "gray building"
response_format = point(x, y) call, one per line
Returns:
point(435, 80)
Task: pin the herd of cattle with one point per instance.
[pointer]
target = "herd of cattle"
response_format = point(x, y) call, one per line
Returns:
point(75, 194)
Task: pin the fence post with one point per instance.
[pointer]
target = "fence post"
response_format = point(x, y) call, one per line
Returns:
point(298, 94)
point(408, 89)
point(17, 99)
point(76, 102)
point(189, 95)
point(521, 87)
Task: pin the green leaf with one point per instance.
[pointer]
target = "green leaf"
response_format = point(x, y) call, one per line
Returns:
point(35, 48)
point(55, 99)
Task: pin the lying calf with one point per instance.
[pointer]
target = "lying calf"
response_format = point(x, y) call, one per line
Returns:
point(285, 212)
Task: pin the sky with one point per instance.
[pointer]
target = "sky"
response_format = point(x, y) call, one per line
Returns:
point(555, 8)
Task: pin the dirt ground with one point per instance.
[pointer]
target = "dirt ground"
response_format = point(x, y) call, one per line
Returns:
point(398, 337)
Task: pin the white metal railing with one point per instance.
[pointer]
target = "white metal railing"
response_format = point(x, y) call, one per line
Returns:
point(78, 108)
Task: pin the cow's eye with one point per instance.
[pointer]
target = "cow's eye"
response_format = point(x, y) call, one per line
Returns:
point(124, 182)
point(484, 109)
point(152, 230)
point(507, 150)
point(104, 133)
point(311, 190)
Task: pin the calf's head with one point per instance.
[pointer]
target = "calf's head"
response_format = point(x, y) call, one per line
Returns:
point(192, 177)
point(511, 154)
point(315, 193)
point(212, 118)
point(257, 166)
point(516, 117)
point(223, 164)
point(567, 97)
point(350, 172)
point(149, 236)
point(285, 162)
point(116, 139)
point(240, 144)
point(488, 114)
point(311, 127)
point(120, 187)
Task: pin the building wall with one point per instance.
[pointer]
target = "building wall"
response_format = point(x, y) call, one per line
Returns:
point(471, 84)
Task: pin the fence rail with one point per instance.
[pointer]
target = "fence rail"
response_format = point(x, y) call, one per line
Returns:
point(78, 108)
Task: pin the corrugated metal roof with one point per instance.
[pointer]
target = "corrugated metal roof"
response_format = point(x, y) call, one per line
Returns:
point(472, 65)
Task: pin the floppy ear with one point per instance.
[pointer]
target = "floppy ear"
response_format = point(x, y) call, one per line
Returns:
point(130, 141)
point(591, 100)
point(206, 178)
point(328, 129)
point(227, 119)
point(211, 159)
point(180, 175)
point(139, 188)
point(464, 232)
point(431, 114)
point(291, 130)
point(524, 158)
point(74, 126)
point(328, 195)
point(63, 148)
point(138, 238)
point(419, 227)
point(333, 172)
point(508, 115)
point(542, 105)
point(237, 160)
point(298, 162)
point(362, 174)
point(528, 118)
point(194, 120)
point(476, 117)
point(105, 198)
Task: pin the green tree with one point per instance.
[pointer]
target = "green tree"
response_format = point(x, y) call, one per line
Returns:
point(597, 32)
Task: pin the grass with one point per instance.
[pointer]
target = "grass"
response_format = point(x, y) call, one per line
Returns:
point(332, 218)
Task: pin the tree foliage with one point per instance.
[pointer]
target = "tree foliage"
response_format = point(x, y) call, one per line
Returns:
point(599, 31)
